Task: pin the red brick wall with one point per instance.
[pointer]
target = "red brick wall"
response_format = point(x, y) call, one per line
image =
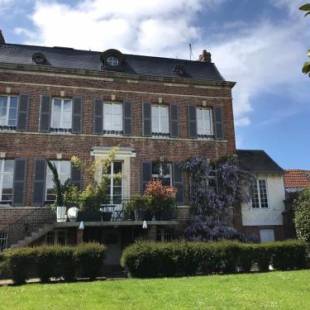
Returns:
point(32, 144)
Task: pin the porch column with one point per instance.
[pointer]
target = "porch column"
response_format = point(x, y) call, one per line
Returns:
point(152, 232)
point(80, 233)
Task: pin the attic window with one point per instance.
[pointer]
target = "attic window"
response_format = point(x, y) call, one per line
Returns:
point(112, 59)
point(39, 59)
point(179, 70)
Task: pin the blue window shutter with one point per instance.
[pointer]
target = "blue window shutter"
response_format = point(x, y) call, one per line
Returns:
point(45, 114)
point(98, 117)
point(39, 182)
point(174, 121)
point(146, 174)
point(77, 109)
point(177, 173)
point(127, 116)
point(218, 123)
point(23, 108)
point(147, 119)
point(19, 182)
point(192, 123)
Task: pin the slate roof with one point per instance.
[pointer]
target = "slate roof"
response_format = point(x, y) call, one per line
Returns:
point(297, 179)
point(69, 58)
point(257, 161)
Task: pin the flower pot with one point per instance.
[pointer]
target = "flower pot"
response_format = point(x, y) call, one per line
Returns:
point(72, 214)
point(61, 214)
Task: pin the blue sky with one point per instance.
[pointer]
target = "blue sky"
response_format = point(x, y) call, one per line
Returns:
point(260, 44)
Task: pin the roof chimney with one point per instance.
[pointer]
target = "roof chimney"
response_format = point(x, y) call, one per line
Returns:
point(205, 56)
point(2, 41)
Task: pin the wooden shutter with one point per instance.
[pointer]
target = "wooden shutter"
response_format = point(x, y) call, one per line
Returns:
point(98, 116)
point(174, 121)
point(39, 182)
point(177, 173)
point(127, 115)
point(23, 106)
point(147, 119)
point(77, 115)
point(146, 174)
point(45, 113)
point(192, 126)
point(19, 182)
point(76, 176)
point(218, 123)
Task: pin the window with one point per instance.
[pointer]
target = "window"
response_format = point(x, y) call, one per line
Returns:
point(113, 118)
point(114, 178)
point(259, 194)
point(163, 172)
point(64, 172)
point(6, 181)
point(8, 111)
point(160, 120)
point(266, 235)
point(112, 61)
point(61, 114)
point(204, 122)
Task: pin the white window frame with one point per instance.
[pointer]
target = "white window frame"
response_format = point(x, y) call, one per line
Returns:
point(266, 231)
point(160, 175)
point(203, 130)
point(161, 109)
point(62, 101)
point(112, 61)
point(48, 173)
point(259, 194)
point(117, 130)
point(9, 98)
point(111, 175)
point(2, 174)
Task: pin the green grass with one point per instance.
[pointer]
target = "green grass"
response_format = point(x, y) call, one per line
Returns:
point(274, 290)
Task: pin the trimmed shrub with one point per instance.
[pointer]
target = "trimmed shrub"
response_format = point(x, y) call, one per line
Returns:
point(289, 255)
point(246, 257)
point(89, 257)
point(158, 259)
point(19, 261)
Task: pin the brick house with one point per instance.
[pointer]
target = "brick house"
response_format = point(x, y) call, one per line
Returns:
point(59, 102)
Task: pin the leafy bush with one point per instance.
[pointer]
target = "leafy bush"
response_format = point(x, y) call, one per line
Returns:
point(19, 261)
point(151, 259)
point(54, 261)
point(302, 215)
point(289, 255)
point(89, 258)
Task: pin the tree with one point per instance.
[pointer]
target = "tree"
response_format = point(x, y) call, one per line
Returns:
point(215, 190)
point(302, 215)
point(306, 66)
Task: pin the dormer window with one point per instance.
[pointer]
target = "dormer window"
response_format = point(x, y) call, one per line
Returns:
point(112, 61)
point(39, 59)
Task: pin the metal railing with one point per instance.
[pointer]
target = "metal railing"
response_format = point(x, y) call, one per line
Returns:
point(25, 226)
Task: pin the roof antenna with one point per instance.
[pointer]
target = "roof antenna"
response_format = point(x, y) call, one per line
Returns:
point(190, 51)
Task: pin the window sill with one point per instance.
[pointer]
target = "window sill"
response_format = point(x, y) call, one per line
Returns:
point(60, 130)
point(7, 128)
point(160, 135)
point(205, 137)
point(112, 133)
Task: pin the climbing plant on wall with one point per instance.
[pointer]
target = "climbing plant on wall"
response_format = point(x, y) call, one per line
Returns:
point(216, 189)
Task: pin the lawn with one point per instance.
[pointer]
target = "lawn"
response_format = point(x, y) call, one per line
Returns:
point(275, 290)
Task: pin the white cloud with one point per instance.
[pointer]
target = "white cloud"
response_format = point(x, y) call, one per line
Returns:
point(260, 57)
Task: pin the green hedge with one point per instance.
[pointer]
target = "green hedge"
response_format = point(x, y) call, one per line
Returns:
point(158, 259)
point(65, 262)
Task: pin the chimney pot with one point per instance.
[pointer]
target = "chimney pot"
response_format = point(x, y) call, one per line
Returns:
point(2, 41)
point(205, 56)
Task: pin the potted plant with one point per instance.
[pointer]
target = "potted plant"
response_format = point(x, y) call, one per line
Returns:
point(59, 202)
point(161, 199)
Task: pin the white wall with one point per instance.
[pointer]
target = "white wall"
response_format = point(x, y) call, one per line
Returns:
point(271, 215)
